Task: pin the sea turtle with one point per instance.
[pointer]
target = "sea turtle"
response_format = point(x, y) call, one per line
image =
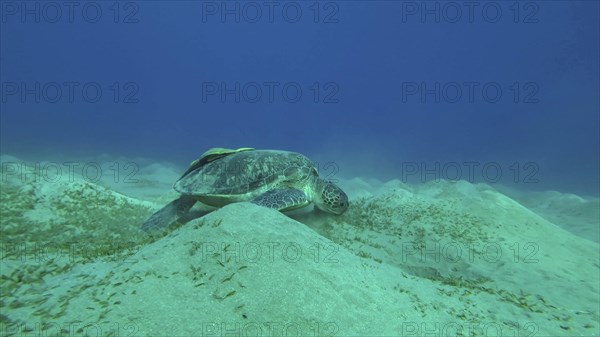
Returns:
point(276, 179)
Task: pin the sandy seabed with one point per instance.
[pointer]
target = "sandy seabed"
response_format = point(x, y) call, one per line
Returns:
point(441, 258)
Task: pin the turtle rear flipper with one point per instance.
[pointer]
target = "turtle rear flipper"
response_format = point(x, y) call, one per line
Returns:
point(282, 199)
point(169, 214)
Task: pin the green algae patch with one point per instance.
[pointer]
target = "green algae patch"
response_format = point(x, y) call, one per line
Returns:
point(80, 218)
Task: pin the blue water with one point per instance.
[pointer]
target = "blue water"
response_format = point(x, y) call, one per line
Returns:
point(379, 84)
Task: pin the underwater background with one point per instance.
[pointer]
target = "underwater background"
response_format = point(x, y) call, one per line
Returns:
point(382, 83)
point(448, 124)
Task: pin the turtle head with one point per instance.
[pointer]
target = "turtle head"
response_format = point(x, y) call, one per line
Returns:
point(330, 198)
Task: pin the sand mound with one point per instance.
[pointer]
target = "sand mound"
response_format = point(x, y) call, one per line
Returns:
point(452, 257)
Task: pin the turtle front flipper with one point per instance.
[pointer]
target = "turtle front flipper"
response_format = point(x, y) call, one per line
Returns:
point(169, 214)
point(282, 199)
